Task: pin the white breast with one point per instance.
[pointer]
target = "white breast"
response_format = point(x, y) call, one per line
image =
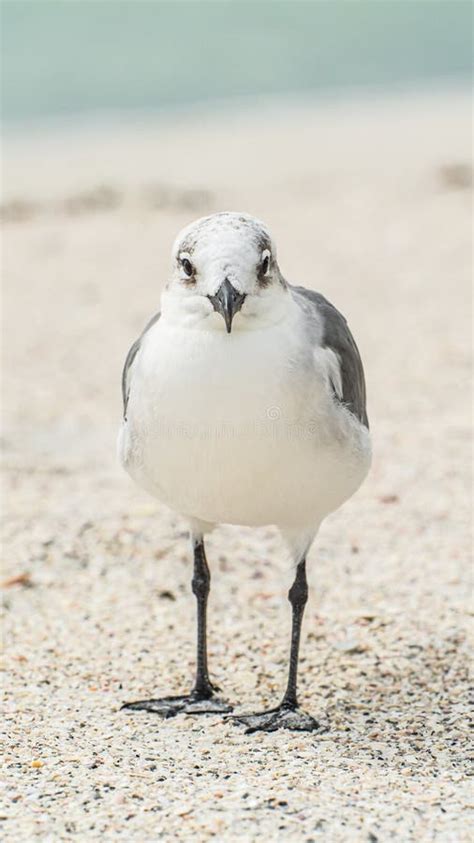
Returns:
point(240, 428)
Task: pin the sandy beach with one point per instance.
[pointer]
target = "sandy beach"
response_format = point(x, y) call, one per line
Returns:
point(371, 204)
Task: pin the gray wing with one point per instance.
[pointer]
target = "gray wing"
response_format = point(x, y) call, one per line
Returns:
point(337, 336)
point(127, 369)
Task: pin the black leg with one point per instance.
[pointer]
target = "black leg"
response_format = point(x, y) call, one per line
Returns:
point(288, 715)
point(201, 700)
point(201, 585)
point(298, 597)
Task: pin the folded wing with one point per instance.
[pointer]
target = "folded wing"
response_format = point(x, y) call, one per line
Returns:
point(349, 389)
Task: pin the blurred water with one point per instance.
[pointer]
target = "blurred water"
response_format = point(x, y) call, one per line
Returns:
point(65, 58)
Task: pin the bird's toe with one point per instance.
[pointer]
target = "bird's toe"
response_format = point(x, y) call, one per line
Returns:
point(294, 719)
point(186, 704)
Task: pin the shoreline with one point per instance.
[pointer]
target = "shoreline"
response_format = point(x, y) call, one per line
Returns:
point(244, 107)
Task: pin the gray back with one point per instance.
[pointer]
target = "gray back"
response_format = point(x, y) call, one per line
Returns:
point(337, 336)
point(129, 361)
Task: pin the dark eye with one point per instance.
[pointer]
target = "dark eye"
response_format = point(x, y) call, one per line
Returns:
point(265, 265)
point(188, 267)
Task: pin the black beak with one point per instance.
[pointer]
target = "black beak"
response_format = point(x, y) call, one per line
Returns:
point(227, 301)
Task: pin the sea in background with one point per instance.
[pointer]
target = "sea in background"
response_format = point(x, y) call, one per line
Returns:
point(93, 58)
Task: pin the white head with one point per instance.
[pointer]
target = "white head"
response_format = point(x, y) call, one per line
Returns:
point(225, 266)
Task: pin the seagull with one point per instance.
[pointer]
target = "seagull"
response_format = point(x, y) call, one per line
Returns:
point(244, 403)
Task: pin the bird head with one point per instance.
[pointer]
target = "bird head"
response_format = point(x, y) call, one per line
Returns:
point(225, 275)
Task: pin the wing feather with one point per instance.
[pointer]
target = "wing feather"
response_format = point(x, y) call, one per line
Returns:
point(337, 337)
point(129, 360)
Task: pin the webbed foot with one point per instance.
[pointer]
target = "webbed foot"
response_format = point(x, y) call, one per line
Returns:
point(185, 704)
point(282, 717)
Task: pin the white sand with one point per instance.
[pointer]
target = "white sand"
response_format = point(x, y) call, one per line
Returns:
point(371, 205)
